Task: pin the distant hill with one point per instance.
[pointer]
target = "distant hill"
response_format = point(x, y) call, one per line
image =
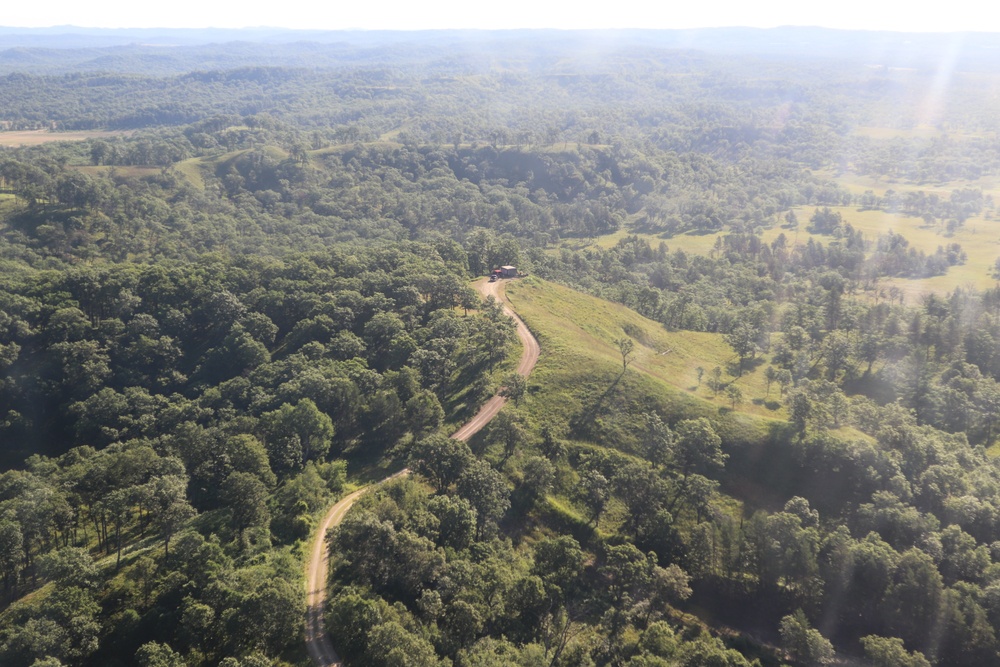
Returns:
point(169, 51)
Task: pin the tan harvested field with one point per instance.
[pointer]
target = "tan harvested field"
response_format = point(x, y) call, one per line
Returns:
point(919, 132)
point(699, 244)
point(36, 137)
point(132, 171)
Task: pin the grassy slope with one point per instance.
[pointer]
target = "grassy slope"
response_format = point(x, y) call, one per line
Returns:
point(578, 387)
point(129, 171)
point(859, 183)
point(192, 169)
point(577, 333)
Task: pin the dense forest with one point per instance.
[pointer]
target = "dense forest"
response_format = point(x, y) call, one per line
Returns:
point(239, 291)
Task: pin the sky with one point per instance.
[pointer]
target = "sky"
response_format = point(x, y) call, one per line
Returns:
point(898, 15)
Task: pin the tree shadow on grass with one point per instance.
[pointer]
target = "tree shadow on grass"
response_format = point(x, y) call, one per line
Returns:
point(581, 423)
point(463, 404)
point(768, 403)
point(749, 366)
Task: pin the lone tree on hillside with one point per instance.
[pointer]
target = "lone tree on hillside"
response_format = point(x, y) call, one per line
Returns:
point(440, 460)
point(487, 492)
point(734, 394)
point(625, 346)
point(168, 505)
point(697, 448)
point(805, 644)
point(659, 440)
point(771, 376)
point(246, 496)
point(514, 387)
point(715, 381)
point(743, 340)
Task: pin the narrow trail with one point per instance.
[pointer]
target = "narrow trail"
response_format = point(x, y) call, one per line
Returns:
point(318, 642)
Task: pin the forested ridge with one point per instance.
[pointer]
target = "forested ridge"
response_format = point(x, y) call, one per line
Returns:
point(247, 292)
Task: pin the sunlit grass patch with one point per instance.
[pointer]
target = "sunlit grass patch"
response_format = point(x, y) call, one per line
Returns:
point(192, 170)
point(579, 357)
point(860, 183)
point(979, 238)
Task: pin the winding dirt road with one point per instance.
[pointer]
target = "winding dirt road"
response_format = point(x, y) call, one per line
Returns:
point(318, 642)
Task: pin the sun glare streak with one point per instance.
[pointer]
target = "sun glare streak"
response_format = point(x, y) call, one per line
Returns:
point(929, 112)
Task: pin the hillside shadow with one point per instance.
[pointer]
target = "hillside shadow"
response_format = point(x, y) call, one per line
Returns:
point(761, 472)
point(753, 612)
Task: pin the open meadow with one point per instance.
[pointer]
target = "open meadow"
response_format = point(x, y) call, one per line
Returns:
point(859, 183)
point(577, 332)
point(979, 238)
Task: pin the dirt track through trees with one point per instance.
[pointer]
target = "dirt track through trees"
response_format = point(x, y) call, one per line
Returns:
point(318, 642)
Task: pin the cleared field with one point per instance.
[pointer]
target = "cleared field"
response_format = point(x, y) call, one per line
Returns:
point(393, 135)
point(192, 170)
point(577, 333)
point(859, 183)
point(979, 238)
point(273, 152)
point(36, 137)
point(699, 244)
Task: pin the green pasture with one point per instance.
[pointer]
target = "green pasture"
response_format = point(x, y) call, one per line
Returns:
point(333, 149)
point(979, 238)
point(192, 170)
point(578, 387)
point(579, 357)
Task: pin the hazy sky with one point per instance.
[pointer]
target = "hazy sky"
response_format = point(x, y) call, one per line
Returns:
point(414, 14)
